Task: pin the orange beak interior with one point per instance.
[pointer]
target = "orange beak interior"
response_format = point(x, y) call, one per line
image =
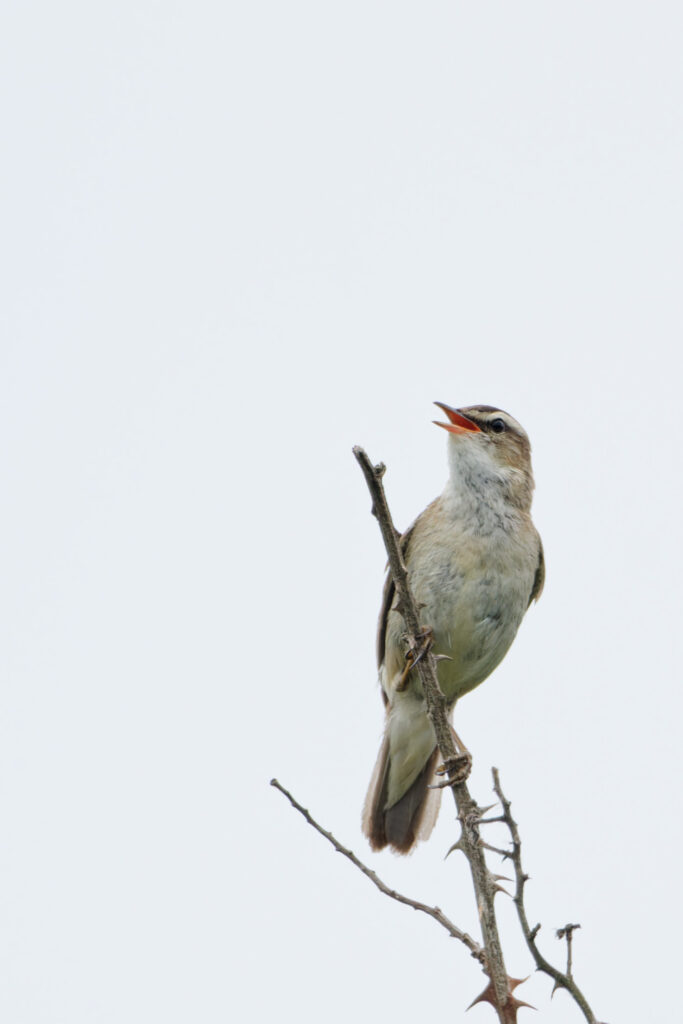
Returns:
point(459, 424)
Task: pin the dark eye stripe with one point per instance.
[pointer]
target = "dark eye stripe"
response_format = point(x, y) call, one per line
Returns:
point(488, 425)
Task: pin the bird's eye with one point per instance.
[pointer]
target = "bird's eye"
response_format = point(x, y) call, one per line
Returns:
point(497, 426)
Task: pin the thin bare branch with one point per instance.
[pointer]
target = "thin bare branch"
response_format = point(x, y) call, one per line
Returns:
point(452, 929)
point(419, 639)
point(560, 980)
point(568, 933)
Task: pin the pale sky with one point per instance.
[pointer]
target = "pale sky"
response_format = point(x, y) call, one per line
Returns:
point(237, 240)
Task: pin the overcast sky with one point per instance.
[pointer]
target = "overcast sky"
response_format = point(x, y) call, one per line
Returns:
point(238, 239)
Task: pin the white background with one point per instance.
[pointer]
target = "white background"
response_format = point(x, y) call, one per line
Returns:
point(237, 240)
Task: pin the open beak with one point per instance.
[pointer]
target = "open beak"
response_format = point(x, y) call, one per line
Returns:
point(459, 424)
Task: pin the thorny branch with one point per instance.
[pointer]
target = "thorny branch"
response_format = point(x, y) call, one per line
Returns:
point(560, 980)
point(452, 929)
point(499, 992)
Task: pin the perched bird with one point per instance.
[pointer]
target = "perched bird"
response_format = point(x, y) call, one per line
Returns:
point(475, 563)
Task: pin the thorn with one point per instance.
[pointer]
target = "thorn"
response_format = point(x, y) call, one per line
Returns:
point(489, 996)
point(534, 932)
point(514, 982)
point(494, 881)
point(455, 846)
point(520, 1002)
point(442, 657)
point(485, 810)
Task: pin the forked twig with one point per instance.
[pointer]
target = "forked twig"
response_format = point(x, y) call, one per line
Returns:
point(560, 979)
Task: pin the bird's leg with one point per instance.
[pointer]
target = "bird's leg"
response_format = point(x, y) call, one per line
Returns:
point(460, 765)
point(403, 681)
point(459, 743)
point(425, 638)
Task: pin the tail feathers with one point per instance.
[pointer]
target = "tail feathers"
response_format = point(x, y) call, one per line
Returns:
point(411, 818)
point(414, 816)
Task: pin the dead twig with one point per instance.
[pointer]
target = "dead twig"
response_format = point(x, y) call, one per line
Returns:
point(568, 933)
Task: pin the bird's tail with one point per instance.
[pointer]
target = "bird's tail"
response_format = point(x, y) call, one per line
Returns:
point(400, 809)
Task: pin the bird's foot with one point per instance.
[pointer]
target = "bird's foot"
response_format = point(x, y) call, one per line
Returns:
point(457, 769)
point(423, 641)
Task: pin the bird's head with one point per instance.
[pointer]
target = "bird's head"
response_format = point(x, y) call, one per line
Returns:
point(488, 443)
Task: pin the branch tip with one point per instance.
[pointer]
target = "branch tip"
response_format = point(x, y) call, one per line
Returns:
point(457, 933)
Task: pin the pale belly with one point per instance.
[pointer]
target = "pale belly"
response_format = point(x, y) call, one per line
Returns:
point(475, 633)
point(474, 610)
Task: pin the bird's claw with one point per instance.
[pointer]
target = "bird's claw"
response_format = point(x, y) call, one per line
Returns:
point(458, 769)
point(403, 681)
point(425, 639)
